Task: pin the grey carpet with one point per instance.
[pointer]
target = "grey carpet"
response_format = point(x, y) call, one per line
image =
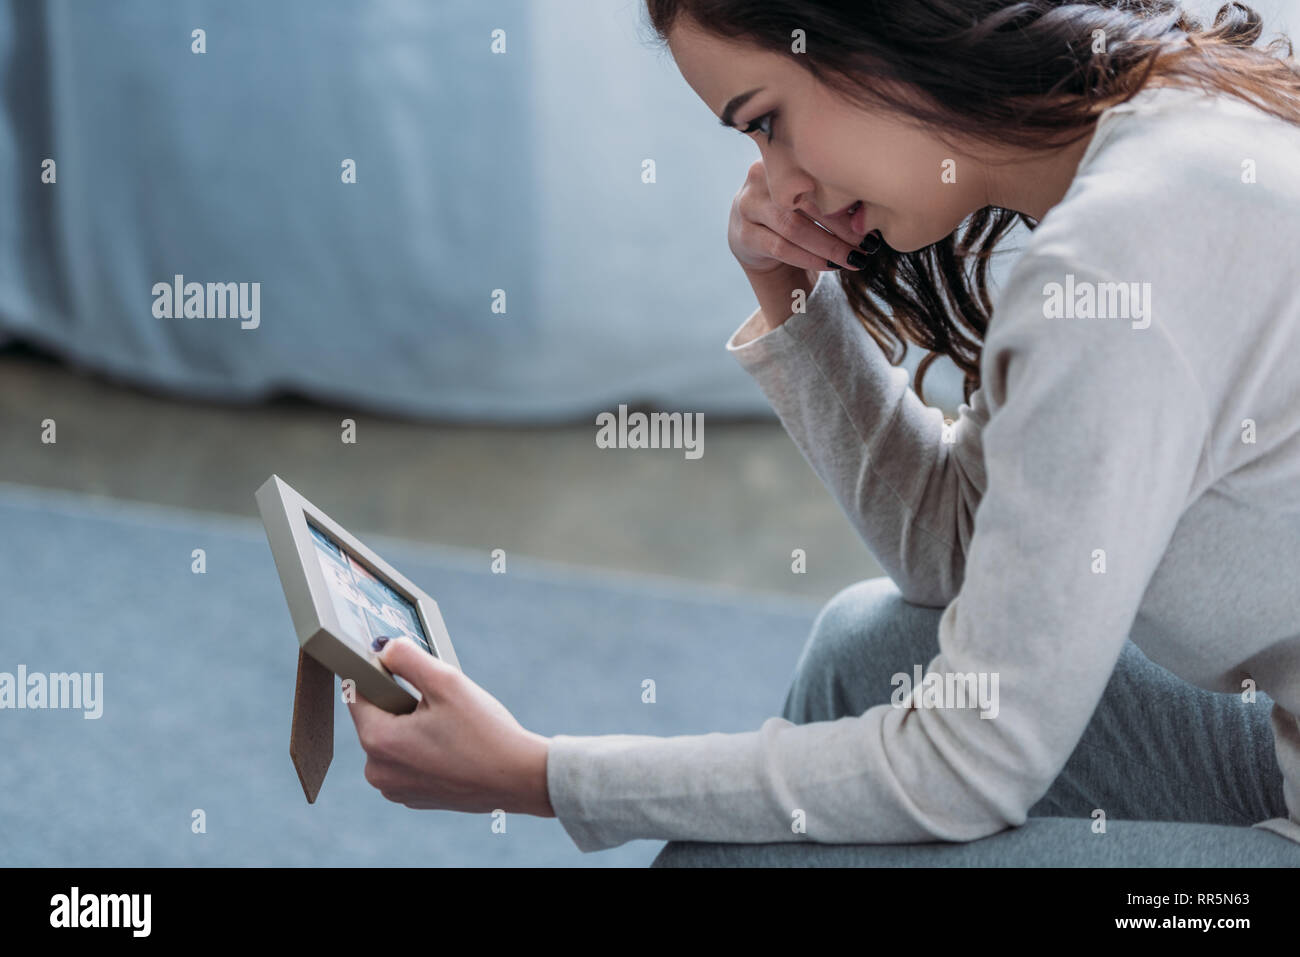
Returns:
point(199, 674)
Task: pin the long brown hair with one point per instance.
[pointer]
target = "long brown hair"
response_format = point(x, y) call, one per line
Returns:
point(1021, 72)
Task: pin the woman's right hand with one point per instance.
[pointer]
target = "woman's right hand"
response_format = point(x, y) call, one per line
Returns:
point(765, 237)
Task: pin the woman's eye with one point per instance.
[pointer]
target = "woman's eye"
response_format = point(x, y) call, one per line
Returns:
point(756, 125)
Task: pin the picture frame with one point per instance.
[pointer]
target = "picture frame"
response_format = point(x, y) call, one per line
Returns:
point(341, 597)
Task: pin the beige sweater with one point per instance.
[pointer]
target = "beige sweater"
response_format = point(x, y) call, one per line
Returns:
point(1103, 482)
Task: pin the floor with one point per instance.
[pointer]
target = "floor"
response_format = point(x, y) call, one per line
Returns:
point(189, 679)
point(730, 518)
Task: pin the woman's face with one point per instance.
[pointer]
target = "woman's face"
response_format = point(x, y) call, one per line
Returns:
point(826, 153)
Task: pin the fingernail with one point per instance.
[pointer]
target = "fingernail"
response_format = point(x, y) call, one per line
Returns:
point(834, 265)
point(378, 644)
point(870, 242)
point(857, 260)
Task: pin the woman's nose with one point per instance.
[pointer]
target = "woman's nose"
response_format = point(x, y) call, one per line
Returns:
point(786, 183)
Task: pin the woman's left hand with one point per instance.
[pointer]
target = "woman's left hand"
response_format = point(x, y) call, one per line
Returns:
point(459, 750)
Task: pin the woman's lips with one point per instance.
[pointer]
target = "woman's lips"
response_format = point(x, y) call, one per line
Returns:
point(855, 221)
point(846, 213)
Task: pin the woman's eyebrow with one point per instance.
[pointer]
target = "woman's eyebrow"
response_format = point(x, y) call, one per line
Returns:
point(735, 103)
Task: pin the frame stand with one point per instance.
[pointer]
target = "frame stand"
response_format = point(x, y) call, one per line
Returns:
point(311, 737)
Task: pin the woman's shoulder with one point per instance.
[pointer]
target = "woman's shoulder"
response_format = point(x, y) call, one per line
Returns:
point(1171, 154)
point(1194, 192)
point(1177, 240)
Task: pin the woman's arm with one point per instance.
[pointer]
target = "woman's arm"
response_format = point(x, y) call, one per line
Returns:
point(1093, 449)
point(774, 291)
point(880, 451)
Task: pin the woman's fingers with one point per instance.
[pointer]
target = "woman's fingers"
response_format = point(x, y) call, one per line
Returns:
point(762, 234)
point(837, 227)
point(800, 230)
point(778, 247)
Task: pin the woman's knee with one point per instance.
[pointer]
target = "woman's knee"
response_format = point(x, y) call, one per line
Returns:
point(861, 637)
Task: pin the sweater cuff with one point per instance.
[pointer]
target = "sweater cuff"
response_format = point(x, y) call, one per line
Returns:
point(759, 350)
point(565, 759)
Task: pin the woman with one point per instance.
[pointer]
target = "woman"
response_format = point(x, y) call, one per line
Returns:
point(1126, 464)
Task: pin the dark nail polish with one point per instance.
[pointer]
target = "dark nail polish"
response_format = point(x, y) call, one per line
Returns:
point(378, 644)
point(857, 260)
point(834, 265)
point(870, 242)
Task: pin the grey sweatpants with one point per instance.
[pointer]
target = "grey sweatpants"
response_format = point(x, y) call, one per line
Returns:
point(1179, 772)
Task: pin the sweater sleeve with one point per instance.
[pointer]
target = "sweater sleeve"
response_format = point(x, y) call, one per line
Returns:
point(909, 489)
point(1092, 449)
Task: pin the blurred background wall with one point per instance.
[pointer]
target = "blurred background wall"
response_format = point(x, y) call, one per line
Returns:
point(475, 172)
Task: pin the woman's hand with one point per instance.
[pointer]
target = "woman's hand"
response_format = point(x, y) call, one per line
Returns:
point(459, 750)
point(764, 236)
